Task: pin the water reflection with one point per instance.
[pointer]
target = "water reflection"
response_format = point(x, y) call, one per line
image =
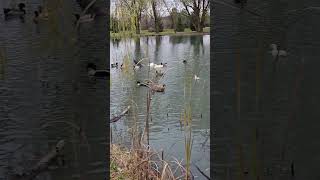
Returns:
point(2, 62)
point(177, 39)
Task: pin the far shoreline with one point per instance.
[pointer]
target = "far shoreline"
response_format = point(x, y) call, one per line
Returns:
point(164, 33)
point(177, 34)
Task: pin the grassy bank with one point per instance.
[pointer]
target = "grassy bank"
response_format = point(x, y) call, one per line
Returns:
point(166, 32)
point(142, 163)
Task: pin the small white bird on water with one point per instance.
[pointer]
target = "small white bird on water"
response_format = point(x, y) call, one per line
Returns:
point(151, 65)
point(196, 77)
point(275, 52)
point(157, 66)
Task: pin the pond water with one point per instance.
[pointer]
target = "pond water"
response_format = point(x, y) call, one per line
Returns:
point(46, 95)
point(265, 113)
point(165, 129)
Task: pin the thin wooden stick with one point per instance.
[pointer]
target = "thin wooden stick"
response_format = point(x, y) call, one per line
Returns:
point(207, 177)
point(84, 11)
point(43, 164)
point(117, 118)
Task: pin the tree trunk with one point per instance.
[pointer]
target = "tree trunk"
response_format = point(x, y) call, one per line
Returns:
point(137, 24)
point(203, 20)
point(156, 18)
point(197, 20)
point(174, 26)
point(173, 16)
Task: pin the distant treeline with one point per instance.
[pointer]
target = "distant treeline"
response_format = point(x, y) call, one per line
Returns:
point(148, 15)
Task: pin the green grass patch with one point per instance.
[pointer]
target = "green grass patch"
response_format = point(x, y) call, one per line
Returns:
point(187, 30)
point(114, 171)
point(206, 29)
point(165, 32)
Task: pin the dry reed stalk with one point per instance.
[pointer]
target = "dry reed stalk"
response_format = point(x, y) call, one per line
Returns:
point(137, 164)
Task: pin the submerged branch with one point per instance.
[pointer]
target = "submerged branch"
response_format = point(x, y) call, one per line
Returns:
point(117, 118)
point(207, 177)
point(84, 11)
point(43, 164)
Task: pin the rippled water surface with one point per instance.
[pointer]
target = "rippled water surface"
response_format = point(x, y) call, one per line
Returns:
point(265, 112)
point(165, 129)
point(46, 95)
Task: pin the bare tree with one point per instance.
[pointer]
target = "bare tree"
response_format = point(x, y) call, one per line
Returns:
point(197, 10)
point(156, 16)
point(173, 13)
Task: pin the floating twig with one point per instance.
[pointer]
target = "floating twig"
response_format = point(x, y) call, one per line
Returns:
point(207, 177)
point(43, 164)
point(117, 118)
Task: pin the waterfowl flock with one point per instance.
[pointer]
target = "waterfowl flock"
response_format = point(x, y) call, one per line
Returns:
point(158, 70)
point(19, 10)
point(41, 14)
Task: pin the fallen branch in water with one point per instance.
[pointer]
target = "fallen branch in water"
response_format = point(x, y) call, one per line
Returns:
point(207, 177)
point(43, 164)
point(115, 119)
point(85, 11)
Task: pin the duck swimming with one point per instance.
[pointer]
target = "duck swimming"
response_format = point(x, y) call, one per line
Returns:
point(114, 65)
point(137, 64)
point(157, 66)
point(163, 64)
point(15, 11)
point(92, 71)
point(275, 52)
point(242, 2)
point(153, 86)
point(151, 65)
point(196, 77)
point(184, 61)
point(141, 84)
point(84, 18)
point(158, 87)
point(159, 73)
